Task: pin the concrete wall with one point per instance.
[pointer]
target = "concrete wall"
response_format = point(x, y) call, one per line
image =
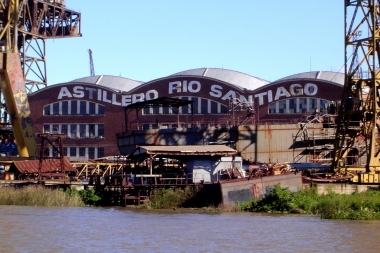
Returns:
point(243, 190)
point(344, 188)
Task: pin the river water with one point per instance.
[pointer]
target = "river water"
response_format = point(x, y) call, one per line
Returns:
point(42, 229)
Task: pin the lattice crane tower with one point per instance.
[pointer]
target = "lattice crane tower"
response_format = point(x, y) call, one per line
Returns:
point(92, 69)
point(357, 144)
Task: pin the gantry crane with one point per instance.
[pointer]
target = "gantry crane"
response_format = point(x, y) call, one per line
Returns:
point(357, 146)
point(24, 27)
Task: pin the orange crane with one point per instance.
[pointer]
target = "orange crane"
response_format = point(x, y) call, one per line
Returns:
point(36, 20)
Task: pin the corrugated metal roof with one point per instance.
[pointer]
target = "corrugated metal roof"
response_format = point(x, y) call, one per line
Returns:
point(238, 79)
point(48, 166)
point(185, 150)
point(112, 82)
point(336, 77)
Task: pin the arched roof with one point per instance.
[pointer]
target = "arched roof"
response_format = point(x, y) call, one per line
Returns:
point(112, 82)
point(238, 79)
point(336, 77)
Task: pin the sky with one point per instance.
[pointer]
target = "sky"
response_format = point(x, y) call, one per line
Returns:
point(149, 39)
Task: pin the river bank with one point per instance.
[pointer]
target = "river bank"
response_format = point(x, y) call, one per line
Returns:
point(356, 206)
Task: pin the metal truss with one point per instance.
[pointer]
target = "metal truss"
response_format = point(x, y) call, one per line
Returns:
point(358, 120)
point(36, 21)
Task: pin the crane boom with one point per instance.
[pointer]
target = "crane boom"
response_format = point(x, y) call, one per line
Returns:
point(21, 23)
point(92, 69)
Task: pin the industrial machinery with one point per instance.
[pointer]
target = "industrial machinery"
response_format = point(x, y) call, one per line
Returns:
point(357, 146)
point(24, 27)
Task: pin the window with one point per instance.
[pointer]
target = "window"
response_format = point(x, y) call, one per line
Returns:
point(313, 105)
point(204, 106)
point(64, 129)
point(195, 105)
point(71, 107)
point(46, 128)
point(156, 110)
point(185, 108)
point(91, 153)
point(47, 110)
point(55, 129)
point(146, 126)
point(91, 130)
point(74, 110)
point(64, 151)
point(224, 109)
point(82, 107)
point(302, 105)
point(292, 105)
point(272, 108)
point(323, 104)
point(91, 109)
point(82, 131)
point(73, 131)
point(101, 130)
point(100, 152)
point(65, 108)
point(100, 109)
point(165, 110)
point(214, 107)
point(146, 110)
point(56, 109)
point(73, 151)
point(282, 106)
point(82, 151)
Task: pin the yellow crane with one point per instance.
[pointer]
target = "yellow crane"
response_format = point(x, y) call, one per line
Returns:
point(22, 22)
point(357, 147)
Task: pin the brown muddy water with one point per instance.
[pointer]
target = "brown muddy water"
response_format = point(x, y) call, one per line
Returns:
point(41, 229)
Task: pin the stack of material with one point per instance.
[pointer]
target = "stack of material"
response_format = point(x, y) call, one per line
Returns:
point(279, 168)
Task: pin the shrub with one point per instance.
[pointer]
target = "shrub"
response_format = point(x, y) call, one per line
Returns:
point(169, 198)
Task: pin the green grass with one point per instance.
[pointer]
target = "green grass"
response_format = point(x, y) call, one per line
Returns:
point(38, 196)
point(356, 206)
point(43, 196)
point(169, 198)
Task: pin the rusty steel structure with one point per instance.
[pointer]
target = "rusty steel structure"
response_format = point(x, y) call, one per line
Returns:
point(24, 27)
point(53, 141)
point(38, 21)
point(357, 132)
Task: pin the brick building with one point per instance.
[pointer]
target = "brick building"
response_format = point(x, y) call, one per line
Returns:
point(91, 110)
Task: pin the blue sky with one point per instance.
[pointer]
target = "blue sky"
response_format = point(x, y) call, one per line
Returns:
point(149, 39)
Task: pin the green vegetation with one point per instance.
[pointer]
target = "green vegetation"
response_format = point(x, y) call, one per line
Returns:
point(356, 206)
point(43, 196)
point(170, 198)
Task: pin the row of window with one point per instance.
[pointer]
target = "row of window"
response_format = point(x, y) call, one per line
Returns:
point(74, 107)
point(76, 130)
point(299, 105)
point(79, 153)
point(200, 106)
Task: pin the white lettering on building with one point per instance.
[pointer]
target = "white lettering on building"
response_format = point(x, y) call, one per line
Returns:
point(176, 87)
point(64, 92)
point(78, 92)
point(105, 95)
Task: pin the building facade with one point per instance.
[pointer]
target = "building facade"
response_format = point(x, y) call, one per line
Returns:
point(91, 111)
